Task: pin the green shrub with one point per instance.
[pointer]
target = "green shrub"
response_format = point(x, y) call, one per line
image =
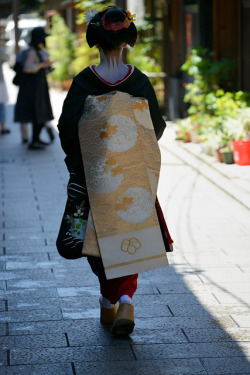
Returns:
point(217, 113)
point(61, 45)
point(208, 77)
point(83, 55)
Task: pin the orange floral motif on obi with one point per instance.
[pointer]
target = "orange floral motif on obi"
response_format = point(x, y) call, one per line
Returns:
point(116, 170)
point(109, 131)
point(101, 98)
point(141, 105)
point(125, 203)
point(111, 161)
point(112, 167)
point(131, 245)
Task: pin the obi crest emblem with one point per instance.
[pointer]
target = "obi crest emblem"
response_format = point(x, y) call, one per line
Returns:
point(131, 245)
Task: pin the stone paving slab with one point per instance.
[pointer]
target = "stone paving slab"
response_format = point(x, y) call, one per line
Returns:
point(141, 311)
point(61, 355)
point(183, 322)
point(85, 280)
point(2, 266)
point(169, 367)
point(218, 276)
point(190, 350)
point(23, 258)
point(15, 249)
point(198, 296)
point(31, 315)
point(238, 298)
point(242, 320)
point(2, 305)
point(23, 243)
point(51, 369)
point(3, 358)
point(27, 303)
point(214, 310)
point(33, 341)
point(82, 325)
point(31, 283)
point(217, 334)
point(30, 293)
point(3, 329)
point(21, 274)
point(228, 287)
point(227, 366)
point(14, 223)
point(30, 265)
point(60, 326)
point(141, 336)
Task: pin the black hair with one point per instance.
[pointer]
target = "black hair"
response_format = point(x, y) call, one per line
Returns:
point(110, 39)
point(38, 36)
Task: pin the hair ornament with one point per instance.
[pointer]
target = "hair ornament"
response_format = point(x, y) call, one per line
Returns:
point(129, 19)
point(89, 15)
point(114, 26)
point(111, 7)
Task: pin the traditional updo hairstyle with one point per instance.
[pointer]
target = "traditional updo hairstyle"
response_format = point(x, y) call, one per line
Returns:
point(110, 29)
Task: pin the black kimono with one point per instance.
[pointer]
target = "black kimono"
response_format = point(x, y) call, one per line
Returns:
point(33, 101)
point(87, 83)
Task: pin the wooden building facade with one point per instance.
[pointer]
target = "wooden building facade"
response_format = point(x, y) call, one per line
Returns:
point(223, 26)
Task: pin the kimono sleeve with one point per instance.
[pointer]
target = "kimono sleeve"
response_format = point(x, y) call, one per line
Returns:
point(148, 92)
point(70, 116)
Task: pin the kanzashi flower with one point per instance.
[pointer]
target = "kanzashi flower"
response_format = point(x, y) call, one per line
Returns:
point(129, 19)
point(89, 15)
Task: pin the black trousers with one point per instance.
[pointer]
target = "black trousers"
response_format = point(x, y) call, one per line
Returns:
point(37, 127)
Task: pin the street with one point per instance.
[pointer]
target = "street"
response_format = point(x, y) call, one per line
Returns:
point(192, 318)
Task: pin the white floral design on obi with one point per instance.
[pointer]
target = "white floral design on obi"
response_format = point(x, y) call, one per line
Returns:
point(94, 106)
point(103, 175)
point(142, 114)
point(135, 205)
point(119, 133)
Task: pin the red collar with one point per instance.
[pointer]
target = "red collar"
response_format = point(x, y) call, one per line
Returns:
point(130, 71)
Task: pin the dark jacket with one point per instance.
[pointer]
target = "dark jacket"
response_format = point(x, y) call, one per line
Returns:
point(87, 83)
point(33, 101)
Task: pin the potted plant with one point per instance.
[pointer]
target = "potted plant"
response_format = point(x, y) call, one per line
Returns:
point(241, 151)
point(227, 154)
point(184, 129)
point(241, 142)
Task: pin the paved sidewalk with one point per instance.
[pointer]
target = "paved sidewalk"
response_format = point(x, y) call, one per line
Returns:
point(192, 318)
point(231, 178)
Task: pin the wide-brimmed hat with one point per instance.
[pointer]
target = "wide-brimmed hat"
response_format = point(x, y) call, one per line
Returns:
point(38, 35)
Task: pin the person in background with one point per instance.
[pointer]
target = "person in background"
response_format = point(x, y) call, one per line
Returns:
point(24, 129)
point(3, 93)
point(33, 101)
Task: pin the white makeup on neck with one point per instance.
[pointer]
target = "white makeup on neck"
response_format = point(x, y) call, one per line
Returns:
point(111, 67)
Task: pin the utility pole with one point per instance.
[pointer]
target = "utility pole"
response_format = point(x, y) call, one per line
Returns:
point(166, 52)
point(15, 19)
